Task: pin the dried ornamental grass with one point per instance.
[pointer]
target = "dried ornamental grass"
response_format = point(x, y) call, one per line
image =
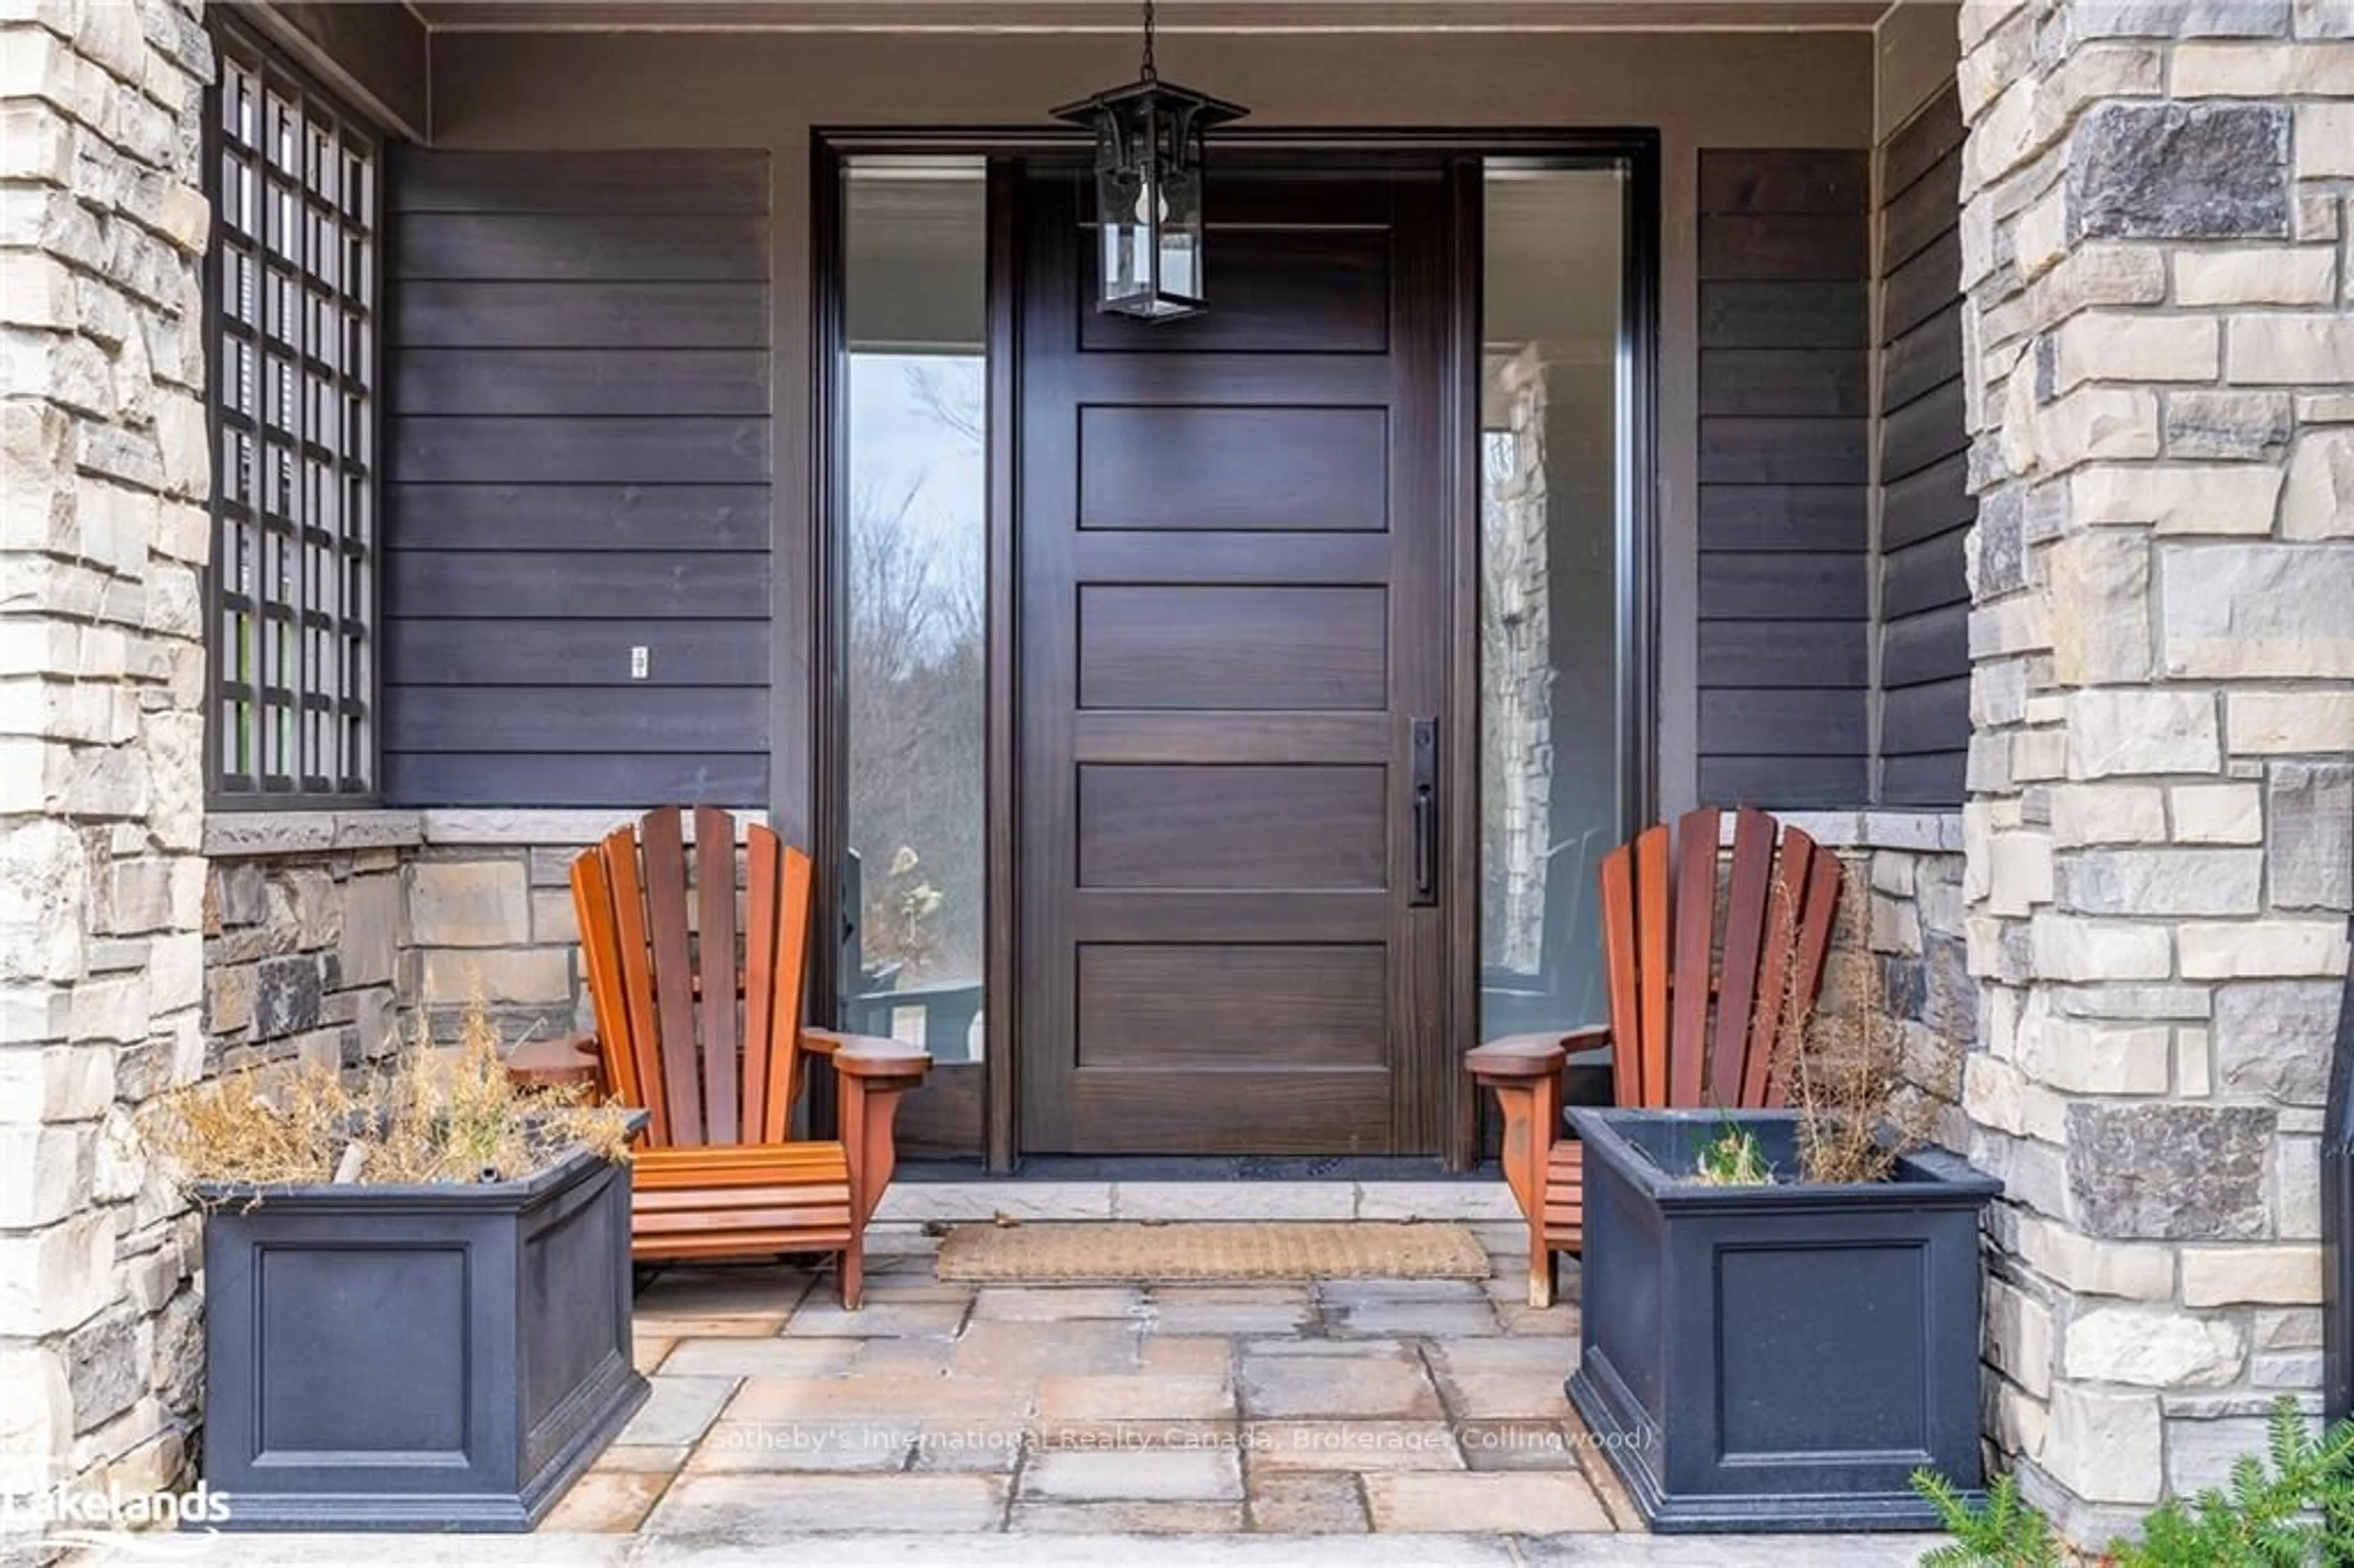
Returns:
point(434, 1118)
point(1844, 1074)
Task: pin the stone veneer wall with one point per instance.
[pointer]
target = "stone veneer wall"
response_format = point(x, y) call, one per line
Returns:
point(2161, 351)
point(104, 472)
point(305, 958)
point(500, 916)
point(1917, 937)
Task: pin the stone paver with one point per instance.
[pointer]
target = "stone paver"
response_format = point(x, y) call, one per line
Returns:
point(1213, 1317)
point(1161, 1475)
point(1306, 1504)
point(607, 1501)
point(1091, 1346)
point(745, 1356)
point(1360, 1448)
point(676, 1329)
point(1047, 1304)
point(879, 1319)
point(1516, 1502)
point(1181, 1354)
point(834, 1446)
point(971, 1448)
point(1437, 1320)
point(923, 1395)
point(751, 1507)
point(1518, 1445)
point(1128, 1518)
point(1383, 1386)
point(678, 1410)
point(650, 1458)
point(1145, 1396)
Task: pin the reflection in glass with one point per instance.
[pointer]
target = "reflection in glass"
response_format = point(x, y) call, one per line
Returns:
point(915, 499)
point(1550, 727)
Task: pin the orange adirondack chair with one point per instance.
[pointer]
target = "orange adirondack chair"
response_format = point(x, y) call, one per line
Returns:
point(700, 1023)
point(1668, 1047)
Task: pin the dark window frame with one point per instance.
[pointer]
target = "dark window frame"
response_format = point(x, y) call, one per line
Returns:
point(294, 403)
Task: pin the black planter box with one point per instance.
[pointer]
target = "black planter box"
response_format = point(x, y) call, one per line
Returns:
point(1776, 1357)
point(432, 1357)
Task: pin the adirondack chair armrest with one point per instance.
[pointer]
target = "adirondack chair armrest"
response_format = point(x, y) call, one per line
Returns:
point(1517, 1058)
point(564, 1062)
point(867, 1056)
point(875, 1075)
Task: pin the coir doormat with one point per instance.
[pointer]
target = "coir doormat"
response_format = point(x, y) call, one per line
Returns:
point(1098, 1253)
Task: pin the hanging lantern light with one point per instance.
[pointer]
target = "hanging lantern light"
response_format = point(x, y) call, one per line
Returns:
point(1148, 141)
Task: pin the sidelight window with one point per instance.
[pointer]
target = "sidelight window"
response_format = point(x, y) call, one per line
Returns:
point(1554, 737)
point(913, 531)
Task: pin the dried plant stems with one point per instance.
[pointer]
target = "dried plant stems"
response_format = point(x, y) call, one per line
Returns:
point(1843, 1072)
point(432, 1118)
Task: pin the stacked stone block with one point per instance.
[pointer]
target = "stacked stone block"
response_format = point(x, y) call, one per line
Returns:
point(2160, 338)
point(301, 957)
point(104, 475)
point(497, 918)
point(1911, 907)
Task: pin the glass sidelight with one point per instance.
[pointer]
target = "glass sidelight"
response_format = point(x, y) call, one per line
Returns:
point(912, 530)
point(1555, 391)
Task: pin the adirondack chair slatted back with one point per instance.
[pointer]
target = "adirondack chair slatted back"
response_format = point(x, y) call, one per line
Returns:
point(696, 1021)
point(1680, 1037)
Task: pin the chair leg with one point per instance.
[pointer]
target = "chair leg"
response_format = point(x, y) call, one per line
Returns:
point(1544, 1271)
point(853, 1272)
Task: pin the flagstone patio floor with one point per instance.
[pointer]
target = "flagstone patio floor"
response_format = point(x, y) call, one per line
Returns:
point(944, 1424)
point(1338, 1408)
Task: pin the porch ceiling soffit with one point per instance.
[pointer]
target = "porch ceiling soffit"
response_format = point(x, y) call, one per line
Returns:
point(1119, 15)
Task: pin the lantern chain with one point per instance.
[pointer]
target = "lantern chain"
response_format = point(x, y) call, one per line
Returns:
point(1150, 74)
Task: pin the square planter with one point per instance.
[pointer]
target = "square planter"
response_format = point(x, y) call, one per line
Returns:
point(1776, 1357)
point(443, 1357)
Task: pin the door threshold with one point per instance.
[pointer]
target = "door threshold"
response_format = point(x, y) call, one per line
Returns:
point(1201, 1168)
point(952, 1193)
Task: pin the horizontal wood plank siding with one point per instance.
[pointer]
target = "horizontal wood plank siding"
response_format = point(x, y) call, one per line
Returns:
point(1784, 470)
point(577, 461)
point(1925, 508)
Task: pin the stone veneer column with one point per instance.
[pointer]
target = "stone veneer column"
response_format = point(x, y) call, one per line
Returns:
point(104, 468)
point(2154, 231)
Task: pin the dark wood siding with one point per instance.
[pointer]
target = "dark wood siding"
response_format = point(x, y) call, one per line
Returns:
point(1925, 508)
point(1785, 470)
point(577, 458)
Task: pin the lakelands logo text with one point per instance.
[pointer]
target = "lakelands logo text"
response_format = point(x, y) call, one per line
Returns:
point(72, 1508)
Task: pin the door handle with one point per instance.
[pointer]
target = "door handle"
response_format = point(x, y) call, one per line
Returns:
point(1423, 776)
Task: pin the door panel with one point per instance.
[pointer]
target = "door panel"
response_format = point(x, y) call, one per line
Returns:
point(1199, 647)
point(1214, 1004)
point(1234, 548)
point(1283, 470)
point(1249, 827)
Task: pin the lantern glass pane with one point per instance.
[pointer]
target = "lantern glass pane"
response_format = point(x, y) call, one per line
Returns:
point(1179, 216)
point(1126, 239)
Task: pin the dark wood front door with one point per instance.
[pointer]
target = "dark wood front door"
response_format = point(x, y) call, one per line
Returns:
point(1233, 542)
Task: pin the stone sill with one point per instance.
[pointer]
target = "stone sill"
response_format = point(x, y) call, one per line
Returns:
point(985, 1198)
point(1874, 827)
point(239, 836)
point(245, 835)
point(552, 829)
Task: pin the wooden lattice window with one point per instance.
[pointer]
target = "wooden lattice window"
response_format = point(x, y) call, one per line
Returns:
point(295, 278)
